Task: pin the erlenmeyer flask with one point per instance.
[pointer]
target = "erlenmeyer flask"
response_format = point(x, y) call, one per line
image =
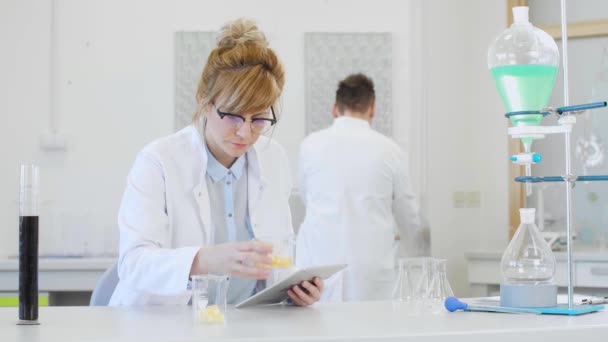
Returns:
point(439, 288)
point(528, 258)
point(419, 271)
point(403, 290)
point(528, 266)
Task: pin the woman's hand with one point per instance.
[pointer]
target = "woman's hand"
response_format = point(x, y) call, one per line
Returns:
point(307, 293)
point(250, 259)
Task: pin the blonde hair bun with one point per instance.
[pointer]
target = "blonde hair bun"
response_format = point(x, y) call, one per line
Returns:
point(241, 31)
point(242, 73)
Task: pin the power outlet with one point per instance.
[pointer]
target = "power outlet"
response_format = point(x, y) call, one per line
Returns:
point(473, 199)
point(459, 199)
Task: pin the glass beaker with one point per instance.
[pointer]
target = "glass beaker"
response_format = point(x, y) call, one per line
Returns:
point(283, 255)
point(209, 293)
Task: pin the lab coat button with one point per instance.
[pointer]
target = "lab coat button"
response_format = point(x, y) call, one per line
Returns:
point(230, 215)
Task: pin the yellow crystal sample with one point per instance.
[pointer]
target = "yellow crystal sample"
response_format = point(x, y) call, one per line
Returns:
point(279, 261)
point(211, 314)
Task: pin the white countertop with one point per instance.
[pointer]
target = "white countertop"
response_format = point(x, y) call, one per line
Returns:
point(363, 321)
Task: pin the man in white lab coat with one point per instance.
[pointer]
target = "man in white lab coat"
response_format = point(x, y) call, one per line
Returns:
point(360, 209)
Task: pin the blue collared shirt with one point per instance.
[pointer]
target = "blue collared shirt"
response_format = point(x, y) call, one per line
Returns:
point(229, 214)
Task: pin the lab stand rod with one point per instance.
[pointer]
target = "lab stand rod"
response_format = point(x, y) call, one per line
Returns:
point(568, 184)
point(580, 107)
point(564, 24)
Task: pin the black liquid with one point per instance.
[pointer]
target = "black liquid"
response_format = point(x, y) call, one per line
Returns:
point(28, 268)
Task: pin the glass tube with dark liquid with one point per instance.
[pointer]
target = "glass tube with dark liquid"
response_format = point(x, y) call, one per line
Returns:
point(28, 245)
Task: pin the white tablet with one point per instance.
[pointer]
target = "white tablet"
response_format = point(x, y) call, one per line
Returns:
point(278, 291)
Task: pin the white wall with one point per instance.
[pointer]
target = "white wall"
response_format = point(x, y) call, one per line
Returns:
point(24, 100)
point(114, 93)
point(467, 141)
point(114, 87)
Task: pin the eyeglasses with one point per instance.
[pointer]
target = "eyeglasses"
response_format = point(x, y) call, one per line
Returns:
point(258, 125)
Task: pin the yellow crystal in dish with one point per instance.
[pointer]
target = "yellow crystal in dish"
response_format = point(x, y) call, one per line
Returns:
point(211, 314)
point(279, 261)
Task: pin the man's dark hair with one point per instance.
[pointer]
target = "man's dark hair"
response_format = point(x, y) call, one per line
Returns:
point(356, 93)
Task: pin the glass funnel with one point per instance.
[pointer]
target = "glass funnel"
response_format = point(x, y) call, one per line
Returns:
point(523, 61)
point(528, 258)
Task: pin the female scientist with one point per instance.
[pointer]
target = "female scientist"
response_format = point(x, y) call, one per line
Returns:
point(196, 200)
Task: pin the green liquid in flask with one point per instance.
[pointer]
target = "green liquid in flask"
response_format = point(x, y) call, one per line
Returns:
point(525, 87)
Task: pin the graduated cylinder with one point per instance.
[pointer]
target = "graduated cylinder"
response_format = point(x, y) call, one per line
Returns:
point(28, 244)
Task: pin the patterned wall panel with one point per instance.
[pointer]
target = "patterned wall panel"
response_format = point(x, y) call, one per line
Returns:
point(191, 52)
point(330, 57)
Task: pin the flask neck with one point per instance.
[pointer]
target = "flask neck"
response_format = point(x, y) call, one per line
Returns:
point(522, 24)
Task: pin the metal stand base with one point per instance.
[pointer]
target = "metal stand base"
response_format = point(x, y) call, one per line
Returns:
point(528, 296)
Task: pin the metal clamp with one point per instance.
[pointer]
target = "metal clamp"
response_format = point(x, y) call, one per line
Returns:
point(560, 113)
point(573, 110)
point(570, 179)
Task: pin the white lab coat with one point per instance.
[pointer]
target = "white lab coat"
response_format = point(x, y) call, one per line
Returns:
point(165, 215)
point(354, 183)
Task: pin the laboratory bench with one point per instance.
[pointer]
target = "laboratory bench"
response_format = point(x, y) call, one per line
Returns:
point(66, 281)
point(360, 321)
point(590, 271)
